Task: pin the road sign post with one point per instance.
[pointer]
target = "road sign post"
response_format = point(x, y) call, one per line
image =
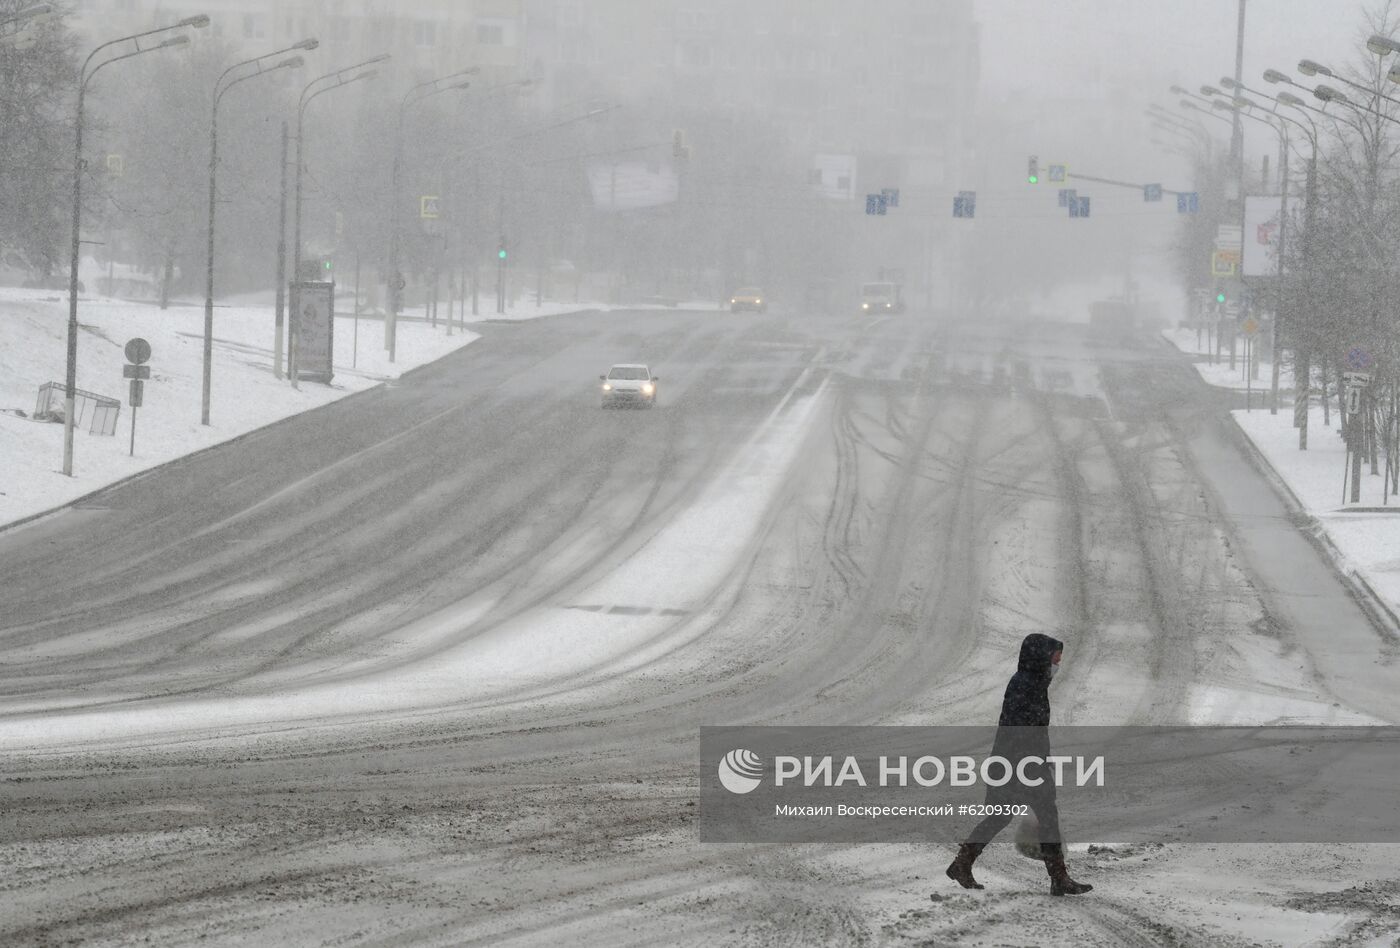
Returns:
point(1356, 378)
point(137, 351)
point(1251, 331)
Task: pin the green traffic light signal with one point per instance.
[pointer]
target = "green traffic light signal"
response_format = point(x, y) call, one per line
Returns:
point(327, 264)
point(502, 253)
point(1220, 296)
point(1033, 179)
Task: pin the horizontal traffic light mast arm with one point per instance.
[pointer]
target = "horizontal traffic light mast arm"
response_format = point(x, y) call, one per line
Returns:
point(1120, 184)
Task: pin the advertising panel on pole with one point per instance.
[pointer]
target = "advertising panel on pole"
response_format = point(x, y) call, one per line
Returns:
point(315, 330)
point(631, 185)
point(1262, 218)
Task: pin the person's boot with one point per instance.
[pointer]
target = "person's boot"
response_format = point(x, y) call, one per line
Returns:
point(1060, 882)
point(960, 870)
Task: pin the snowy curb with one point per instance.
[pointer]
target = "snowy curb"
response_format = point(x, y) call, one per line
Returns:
point(1311, 528)
point(30, 519)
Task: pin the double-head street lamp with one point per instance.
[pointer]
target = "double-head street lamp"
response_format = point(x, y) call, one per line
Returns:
point(1309, 68)
point(85, 76)
point(1188, 104)
point(417, 93)
point(316, 87)
point(223, 85)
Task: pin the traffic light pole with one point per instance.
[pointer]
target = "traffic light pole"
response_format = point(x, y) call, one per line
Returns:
point(501, 277)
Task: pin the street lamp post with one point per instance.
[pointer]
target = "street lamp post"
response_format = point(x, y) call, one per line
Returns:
point(1302, 357)
point(222, 86)
point(316, 87)
point(396, 282)
point(1300, 349)
point(1282, 132)
point(86, 75)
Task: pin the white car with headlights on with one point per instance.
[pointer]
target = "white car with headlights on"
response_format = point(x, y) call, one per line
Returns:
point(629, 384)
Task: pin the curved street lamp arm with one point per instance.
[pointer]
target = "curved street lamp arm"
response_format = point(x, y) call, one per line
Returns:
point(306, 44)
point(409, 95)
point(1277, 114)
point(1161, 113)
point(336, 75)
point(291, 63)
point(194, 21)
point(115, 59)
point(1360, 88)
point(1191, 105)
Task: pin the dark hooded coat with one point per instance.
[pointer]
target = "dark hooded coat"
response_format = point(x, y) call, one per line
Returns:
point(1023, 729)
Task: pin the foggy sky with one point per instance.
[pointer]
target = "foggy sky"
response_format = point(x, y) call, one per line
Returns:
point(1031, 46)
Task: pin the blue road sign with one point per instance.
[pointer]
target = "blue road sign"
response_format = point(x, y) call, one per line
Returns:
point(891, 196)
point(1152, 192)
point(965, 204)
point(1188, 202)
point(875, 204)
point(1079, 207)
point(1358, 359)
point(1066, 196)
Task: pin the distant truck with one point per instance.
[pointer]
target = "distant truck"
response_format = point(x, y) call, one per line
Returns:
point(881, 298)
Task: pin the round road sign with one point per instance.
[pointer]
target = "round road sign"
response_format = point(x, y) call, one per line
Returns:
point(1251, 326)
point(138, 351)
point(1358, 359)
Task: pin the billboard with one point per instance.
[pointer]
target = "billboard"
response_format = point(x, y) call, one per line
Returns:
point(1262, 220)
point(630, 185)
point(313, 312)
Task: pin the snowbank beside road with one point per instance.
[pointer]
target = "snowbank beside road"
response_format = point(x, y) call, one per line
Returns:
point(1365, 537)
point(244, 393)
point(1219, 373)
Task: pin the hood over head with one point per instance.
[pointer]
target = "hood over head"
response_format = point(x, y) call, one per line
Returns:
point(1036, 650)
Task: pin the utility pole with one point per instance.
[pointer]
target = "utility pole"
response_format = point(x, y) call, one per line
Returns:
point(1237, 156)
point(1282, 246)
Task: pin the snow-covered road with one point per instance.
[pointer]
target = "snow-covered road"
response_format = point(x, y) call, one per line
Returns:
point(428, 666)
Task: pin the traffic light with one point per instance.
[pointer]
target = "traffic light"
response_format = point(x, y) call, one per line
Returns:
point(1033, 170)
point(501, 253)
point(1220, 296)
point(327, 266)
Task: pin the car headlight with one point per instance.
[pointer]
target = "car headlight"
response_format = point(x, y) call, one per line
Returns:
point(758, 301)
point(864, 305)
point(889, 306)
point(733, 302)
point(607, 387)
point(648, 388)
